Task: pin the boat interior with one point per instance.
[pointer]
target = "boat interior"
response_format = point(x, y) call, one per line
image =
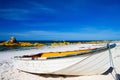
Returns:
point(58, 54)
point(66, 53)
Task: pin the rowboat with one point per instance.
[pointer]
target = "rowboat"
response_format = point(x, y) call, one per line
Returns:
point(87, 61)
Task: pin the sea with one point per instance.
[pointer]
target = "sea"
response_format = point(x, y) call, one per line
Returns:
point(4, 48)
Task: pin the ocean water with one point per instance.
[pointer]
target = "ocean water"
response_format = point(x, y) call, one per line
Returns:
point(4, 48)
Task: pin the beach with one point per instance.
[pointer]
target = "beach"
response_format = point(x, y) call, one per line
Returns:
point(9, 72)
point(59, 40)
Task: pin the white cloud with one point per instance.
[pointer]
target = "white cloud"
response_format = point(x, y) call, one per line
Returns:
point(22, 14)
point(43, 24)
point(14, 14)
point(39, 7)
point(54, 35)
point(16, 10)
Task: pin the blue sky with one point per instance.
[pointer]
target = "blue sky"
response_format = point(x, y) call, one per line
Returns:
point(60, 19)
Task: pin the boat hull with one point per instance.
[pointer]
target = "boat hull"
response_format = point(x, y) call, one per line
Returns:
point(88, 64)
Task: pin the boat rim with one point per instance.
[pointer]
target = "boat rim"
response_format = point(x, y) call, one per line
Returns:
point(95, 51)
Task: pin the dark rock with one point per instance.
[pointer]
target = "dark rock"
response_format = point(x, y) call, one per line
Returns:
point(12, 40)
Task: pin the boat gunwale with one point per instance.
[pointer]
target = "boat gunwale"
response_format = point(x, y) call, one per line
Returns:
point(97, 50)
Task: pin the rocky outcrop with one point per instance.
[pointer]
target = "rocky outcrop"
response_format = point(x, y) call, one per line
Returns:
point(13, 42)
point(60, 43)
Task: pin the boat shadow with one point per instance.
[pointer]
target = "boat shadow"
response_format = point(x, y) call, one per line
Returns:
point(56, 75)
point(53, 75)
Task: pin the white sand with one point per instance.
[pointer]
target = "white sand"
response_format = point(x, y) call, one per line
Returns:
point(9, 72)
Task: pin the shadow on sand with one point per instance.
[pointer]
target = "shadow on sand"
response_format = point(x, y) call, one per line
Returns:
point(53, 75)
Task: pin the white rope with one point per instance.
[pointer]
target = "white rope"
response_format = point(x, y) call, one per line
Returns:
point(111, 62)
